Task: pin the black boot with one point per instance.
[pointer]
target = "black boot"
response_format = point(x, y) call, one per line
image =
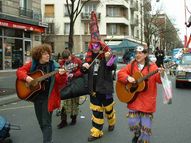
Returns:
point(63, 122)
point(73, 117)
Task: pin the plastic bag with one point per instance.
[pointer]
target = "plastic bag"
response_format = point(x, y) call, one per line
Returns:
point(167, 89)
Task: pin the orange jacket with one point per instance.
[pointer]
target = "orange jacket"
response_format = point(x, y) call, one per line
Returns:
point(146, 100)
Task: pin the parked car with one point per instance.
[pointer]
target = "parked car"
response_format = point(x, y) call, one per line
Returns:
point(167, 59)
point(183, 70)
point(152, 58)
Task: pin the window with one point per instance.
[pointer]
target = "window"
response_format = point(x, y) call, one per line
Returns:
point(50, 29)
point(66, 28)
point(88, 8)
point(86, 28)
point(13, 32)
point(24, 4)
point(27, 34)
point(113, 11)
point(49, 10)
point(111, 29)
point(66, 13)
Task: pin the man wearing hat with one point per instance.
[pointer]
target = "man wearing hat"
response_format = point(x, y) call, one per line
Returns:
point(99, 65)
point(141, 109)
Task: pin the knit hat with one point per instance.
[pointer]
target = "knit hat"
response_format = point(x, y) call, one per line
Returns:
point(94, 29)
point(141, 49)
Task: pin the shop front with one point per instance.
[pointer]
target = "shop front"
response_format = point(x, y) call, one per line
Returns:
point(16, 41)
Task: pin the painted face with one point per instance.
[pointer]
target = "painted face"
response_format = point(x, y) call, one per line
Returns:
point(95, 47)
point(45, 58)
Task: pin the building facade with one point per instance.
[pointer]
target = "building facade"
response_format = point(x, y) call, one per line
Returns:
point(20, 29)
point(117, 20)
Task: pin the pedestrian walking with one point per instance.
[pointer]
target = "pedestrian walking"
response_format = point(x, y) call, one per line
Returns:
point(70, 106)
point(100, 83)
point(159, 54)
point(143, 105)
point(48, 98)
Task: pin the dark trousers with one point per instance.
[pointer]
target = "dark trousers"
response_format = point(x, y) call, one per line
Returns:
point(44, 119)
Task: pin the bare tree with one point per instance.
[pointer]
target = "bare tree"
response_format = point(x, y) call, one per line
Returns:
point(155, 26)
point(73, 14)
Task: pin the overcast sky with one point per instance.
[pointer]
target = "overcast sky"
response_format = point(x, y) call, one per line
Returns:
point(175, 11)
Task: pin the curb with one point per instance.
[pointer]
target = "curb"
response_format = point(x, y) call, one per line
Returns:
point(9, 99)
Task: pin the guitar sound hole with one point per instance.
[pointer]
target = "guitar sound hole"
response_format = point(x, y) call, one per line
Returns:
point(133, 88)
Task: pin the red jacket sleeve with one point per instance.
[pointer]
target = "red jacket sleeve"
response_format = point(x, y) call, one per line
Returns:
point(124, 73)
point(23, 71)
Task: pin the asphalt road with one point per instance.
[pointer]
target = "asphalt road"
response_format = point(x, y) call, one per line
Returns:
point(171, 123)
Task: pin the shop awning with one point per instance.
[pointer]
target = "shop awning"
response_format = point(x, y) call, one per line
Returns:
point(124, 44)
point(17, 25)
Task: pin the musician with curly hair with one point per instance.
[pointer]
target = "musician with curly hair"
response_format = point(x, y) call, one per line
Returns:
point(48, 98)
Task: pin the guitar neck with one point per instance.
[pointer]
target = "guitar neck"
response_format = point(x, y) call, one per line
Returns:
point(46, 76)
point(147, 76)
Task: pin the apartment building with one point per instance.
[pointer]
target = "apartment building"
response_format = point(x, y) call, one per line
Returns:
point(20, 29)
point(117, 20)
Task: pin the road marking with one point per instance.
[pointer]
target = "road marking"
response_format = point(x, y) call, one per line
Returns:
point(14, 108)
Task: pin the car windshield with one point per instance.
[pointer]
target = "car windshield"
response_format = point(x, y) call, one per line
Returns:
point(186, 59)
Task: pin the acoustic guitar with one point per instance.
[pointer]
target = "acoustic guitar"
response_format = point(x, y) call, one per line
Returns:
point(127, 92)
point(26, 91)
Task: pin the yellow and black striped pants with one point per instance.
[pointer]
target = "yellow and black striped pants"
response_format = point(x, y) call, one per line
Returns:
point(100, 104)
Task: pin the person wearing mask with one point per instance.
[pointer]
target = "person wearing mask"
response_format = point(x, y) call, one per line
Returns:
point(98, 65)
point(48, 98)
point(70, 106)
point(142, 108)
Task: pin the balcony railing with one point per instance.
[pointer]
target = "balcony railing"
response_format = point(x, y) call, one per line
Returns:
point(87, 16)
point(26, 12)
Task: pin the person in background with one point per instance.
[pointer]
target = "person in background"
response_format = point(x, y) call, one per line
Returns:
point(48, 98)
point(159, 54)
point(142, 108)
point(99, 68)
point(70, 106)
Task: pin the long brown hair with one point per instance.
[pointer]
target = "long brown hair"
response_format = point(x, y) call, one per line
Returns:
point(37, 51)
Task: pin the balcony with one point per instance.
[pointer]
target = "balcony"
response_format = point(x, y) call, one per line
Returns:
point(87, 16)
point(25, 12)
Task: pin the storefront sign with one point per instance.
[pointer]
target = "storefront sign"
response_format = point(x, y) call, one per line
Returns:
point(12, 24)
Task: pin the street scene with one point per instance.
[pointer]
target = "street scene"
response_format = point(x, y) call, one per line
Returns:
point(171, 123)
point(103, 71)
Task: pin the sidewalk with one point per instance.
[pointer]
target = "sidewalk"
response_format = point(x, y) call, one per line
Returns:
point(7, 93)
